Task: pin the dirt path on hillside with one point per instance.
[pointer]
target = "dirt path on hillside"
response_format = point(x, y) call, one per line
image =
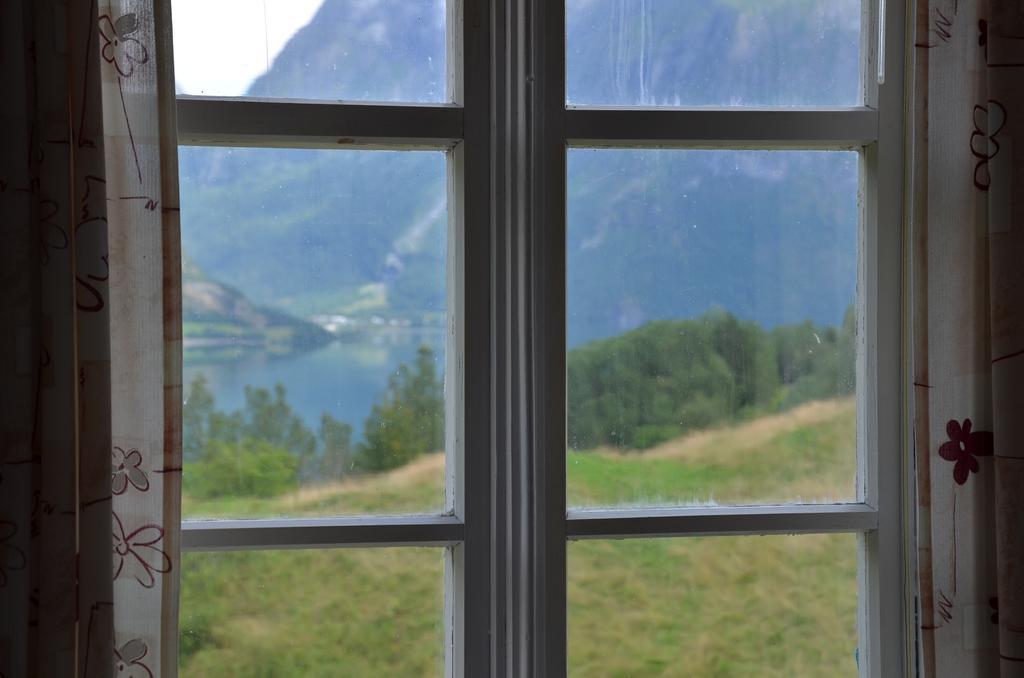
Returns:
point(424, 469)
point(739, 438)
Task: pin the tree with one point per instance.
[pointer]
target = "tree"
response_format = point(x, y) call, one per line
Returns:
point(668, 377)
point(408, 420)
point(270, 418)
point(817, 362)
point(195, 419)
point(750, 356)
point(335, 459)
point(648, 385)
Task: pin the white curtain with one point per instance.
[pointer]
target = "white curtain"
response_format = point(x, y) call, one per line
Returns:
point(968, 305)
point(90, 356)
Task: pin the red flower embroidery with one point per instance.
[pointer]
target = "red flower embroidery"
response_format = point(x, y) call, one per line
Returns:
point(124, 468)
point(963, 446)
point(128, 660)
point(11, 557)
point(119, 49)
point(138, 552)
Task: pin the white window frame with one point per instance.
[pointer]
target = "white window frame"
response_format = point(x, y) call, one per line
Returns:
point(507, 133)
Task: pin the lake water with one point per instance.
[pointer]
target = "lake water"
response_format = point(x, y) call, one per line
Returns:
point(344, 378)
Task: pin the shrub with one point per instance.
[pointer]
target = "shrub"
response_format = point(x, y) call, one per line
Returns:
point(250, 467)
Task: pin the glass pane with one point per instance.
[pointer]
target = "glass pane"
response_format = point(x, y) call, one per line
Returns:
point(337, 612)
point(713, 52)
point(711, 326)
point(314, 310)
point(714, 606)
point(385, 50)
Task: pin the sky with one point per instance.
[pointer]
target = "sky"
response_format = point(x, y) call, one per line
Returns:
point(221, 46)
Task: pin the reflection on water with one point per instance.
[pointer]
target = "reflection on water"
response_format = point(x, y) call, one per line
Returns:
point(343, 378)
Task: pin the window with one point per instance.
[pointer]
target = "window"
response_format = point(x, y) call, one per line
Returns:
point(623, 330)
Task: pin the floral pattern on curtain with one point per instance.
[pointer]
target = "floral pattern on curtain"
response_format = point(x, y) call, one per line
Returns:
point(968, 319)
point(90, 355)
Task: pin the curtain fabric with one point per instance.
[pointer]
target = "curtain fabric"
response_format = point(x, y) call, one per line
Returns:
point(968, 343)
point(90, 352)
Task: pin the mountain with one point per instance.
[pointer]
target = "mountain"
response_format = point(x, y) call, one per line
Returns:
point(768, 236)
point(217, 315)
point(713, 52)
point(369, 50)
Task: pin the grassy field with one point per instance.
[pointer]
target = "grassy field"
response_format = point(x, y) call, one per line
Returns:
point(715, 606)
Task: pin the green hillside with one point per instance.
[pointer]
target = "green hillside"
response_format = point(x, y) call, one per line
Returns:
point(778, 426)
point(766, 606)
point(217, 319)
